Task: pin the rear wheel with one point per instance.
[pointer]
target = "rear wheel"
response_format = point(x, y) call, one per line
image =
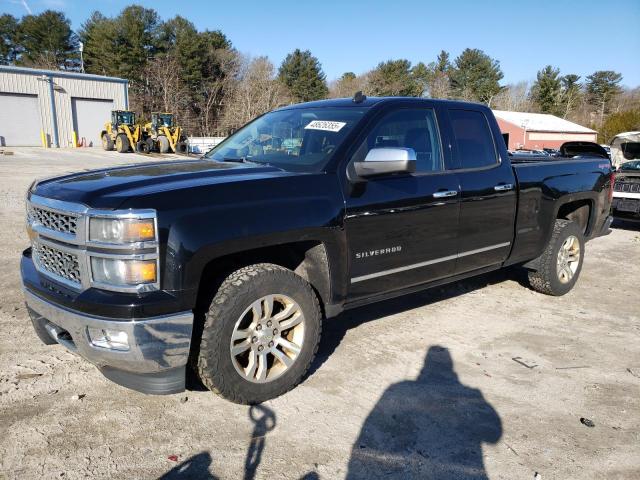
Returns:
point(260, 335)
point(561, 262)
point(151, 145)
point(163, 144)
point(122, 143)
point(181, 147)
point(142, 147)
point(107, 143)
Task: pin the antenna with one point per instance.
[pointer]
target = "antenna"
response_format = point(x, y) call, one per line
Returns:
point(359, 97)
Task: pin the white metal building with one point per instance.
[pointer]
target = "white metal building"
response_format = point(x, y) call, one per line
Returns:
point(45, 107)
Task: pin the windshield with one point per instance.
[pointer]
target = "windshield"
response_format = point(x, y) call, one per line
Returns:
point(633, 166)
point(126, 118)
point(630, 150)
point(299, 140)
point(164, 120)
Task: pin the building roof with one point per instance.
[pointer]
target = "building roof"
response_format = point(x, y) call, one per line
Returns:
point(60, 73)
point(541, 122)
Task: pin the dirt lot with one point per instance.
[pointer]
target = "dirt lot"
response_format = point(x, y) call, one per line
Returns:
point(479, 379)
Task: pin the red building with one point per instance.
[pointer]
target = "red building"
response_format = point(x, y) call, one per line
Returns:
point(534, 131)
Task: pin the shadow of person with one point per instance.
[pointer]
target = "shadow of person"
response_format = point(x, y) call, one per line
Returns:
point(429, 428)
point(195, 467)
point(264, 420)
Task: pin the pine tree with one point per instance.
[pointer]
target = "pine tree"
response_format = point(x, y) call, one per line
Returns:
point(394, 78)
point(475, 76)
point(602, 87)
point(8, 33)
point(302, 74)
point(546, 91)
point(46, 40)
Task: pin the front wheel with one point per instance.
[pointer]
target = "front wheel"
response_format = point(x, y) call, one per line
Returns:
point(260, 335)
point(122, 143)
point(560, 264)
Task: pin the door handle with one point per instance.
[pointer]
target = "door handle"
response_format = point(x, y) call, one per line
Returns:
point(447, 193)
point(503, 187)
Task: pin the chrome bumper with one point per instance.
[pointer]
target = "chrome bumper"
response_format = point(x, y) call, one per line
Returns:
point(158, 347)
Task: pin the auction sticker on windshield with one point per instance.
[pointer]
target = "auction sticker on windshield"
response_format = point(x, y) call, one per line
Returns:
point(325, 125)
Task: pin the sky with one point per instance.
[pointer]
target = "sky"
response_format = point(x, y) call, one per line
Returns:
point(577, 36)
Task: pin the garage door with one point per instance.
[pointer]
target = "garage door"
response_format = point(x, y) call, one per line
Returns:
point(19, 120)
point(89, 117)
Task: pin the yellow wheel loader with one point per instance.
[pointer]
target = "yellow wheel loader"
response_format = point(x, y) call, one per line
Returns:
point(163, 135)
point(123, 132)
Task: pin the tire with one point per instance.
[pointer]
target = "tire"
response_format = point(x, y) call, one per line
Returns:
point(551, 276)
point(231, 311)
point(151, 145)
point(163, 144)
point(181, 147)
point(107, 143)
point(142, 147)
point(122, 143)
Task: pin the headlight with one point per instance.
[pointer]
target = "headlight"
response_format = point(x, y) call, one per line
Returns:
point(123, 273)
point(121, 230)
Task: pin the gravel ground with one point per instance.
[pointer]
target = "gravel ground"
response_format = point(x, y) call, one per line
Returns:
point(479, 379)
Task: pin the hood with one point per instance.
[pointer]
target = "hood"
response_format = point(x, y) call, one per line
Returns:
point(109, 187)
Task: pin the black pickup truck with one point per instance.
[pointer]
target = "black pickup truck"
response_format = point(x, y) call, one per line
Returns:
point(228, 264)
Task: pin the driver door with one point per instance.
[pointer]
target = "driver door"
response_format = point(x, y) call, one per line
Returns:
point(402, 228)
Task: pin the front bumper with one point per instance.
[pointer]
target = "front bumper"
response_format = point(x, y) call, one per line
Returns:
point(158, 346)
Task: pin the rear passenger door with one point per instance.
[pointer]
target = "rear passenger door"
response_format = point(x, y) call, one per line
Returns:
point(488, 201)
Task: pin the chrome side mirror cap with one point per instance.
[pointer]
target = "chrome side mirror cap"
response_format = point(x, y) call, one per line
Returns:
point(388, 160)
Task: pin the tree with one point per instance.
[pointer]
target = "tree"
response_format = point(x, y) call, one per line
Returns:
point(256, 91)
point(8, 34)
point(99, 36)
point(302, 74)
point(46, 40)
point(514, 98)
point(475, 76)
point(393, 78)
point(547, 89)
point(601, 88)
point(347, 85)
point(571, 94)
point(625, 121)
point(122, 45)
point(434, 79)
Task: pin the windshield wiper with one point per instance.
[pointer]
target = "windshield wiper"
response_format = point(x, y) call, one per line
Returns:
point(235, 159)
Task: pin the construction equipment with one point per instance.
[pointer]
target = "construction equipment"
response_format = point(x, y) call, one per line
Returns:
point(123, 132)
point(163, 135)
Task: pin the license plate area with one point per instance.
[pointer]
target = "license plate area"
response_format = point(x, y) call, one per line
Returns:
point(628, 205)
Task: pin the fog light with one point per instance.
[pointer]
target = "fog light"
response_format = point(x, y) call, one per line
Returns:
point(106, 338)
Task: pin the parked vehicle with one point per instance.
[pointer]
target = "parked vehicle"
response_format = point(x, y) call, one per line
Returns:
point(122, 132)
point(231, 262)
point(624, 147)
point(626, 194)
point(163, 135)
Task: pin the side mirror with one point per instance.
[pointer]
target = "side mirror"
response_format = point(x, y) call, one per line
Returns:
point(381, 161)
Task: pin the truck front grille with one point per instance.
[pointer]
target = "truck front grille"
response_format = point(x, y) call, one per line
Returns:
point(59, 222)
point(57, 262)
point(627, 187)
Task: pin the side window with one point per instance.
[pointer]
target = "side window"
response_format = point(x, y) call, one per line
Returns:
point(408, 128)
point(474, 140)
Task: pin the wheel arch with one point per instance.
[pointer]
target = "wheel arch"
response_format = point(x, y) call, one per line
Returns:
point(308, 259)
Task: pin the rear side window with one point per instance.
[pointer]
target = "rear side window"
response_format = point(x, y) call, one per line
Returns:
point(407, 128)
point(474, 140)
